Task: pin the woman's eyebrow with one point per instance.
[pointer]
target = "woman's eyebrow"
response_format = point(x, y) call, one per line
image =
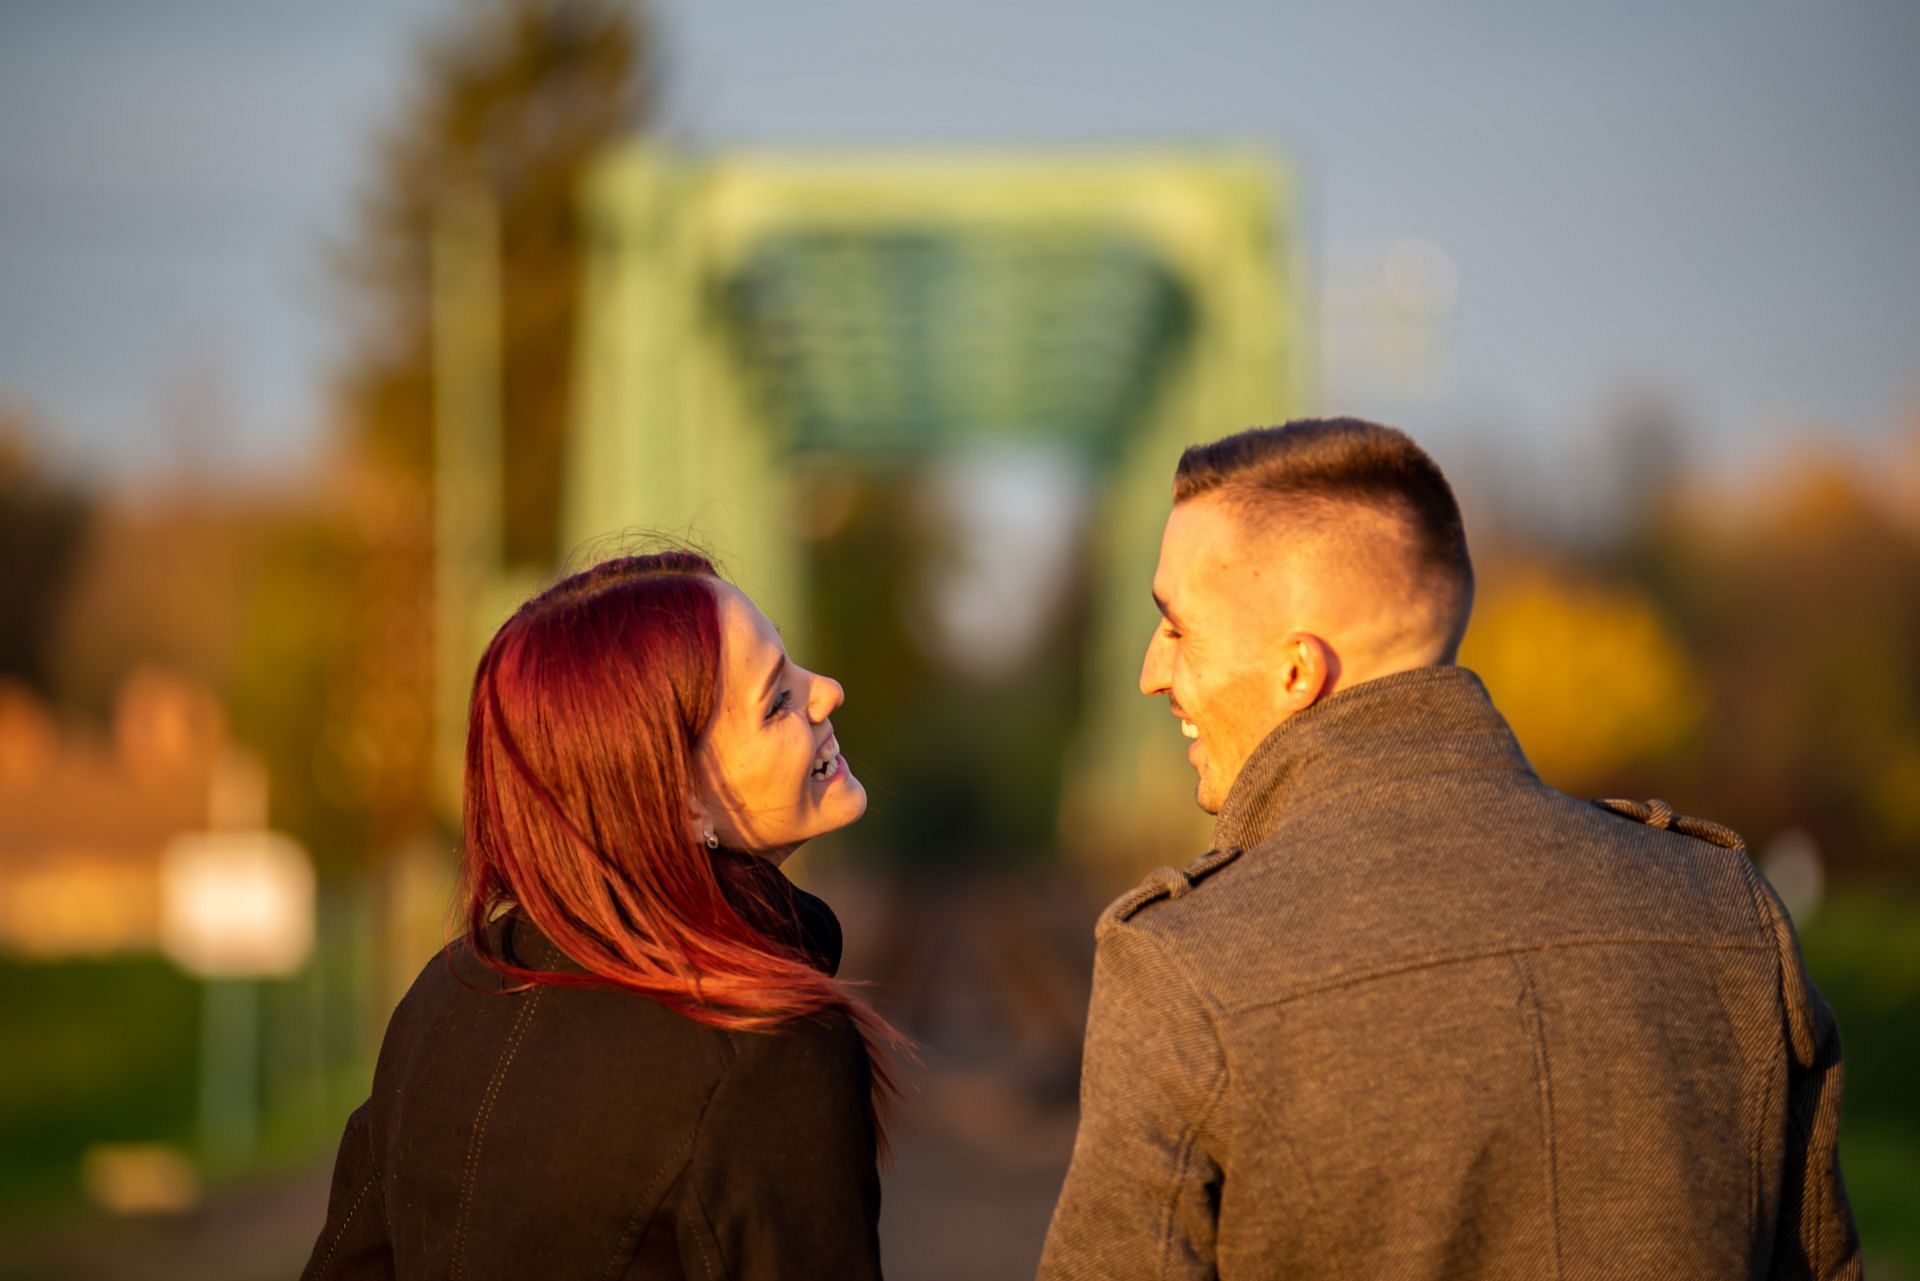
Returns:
point(779, 665)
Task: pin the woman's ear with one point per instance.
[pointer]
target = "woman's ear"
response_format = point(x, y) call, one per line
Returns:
point(699, 810)
point(712, 813)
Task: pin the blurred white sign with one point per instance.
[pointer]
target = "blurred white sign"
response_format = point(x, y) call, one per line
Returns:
point(236, 904)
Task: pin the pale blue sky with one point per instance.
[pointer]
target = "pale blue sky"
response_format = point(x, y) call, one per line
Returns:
point(1718, 200)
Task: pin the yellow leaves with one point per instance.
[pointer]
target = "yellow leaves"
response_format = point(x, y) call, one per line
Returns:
point(1591, 676)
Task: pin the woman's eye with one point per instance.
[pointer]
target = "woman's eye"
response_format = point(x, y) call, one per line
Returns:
point(781, 702)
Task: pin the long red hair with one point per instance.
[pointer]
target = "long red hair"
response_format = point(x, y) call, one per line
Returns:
point(586, 710)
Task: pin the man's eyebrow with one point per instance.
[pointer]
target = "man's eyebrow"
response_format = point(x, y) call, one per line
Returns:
point(1165, 611)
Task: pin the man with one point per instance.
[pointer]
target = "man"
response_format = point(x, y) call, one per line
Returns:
point(1417, 1015)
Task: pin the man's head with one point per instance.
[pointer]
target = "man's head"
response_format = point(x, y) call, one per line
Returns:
point(1299, 560)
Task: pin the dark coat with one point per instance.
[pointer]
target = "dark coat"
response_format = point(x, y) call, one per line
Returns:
point(1421, 1016)
point(564, 1132)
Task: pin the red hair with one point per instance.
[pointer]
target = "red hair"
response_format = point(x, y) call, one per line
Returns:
point(586, 710)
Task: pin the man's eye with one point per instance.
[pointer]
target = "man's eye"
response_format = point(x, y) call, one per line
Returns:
point(780, 703)
point(1169, 631)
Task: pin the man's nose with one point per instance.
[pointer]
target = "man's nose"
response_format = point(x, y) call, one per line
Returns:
point(1153, 667)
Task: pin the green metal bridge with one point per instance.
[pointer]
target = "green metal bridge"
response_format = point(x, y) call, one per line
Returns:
point(748, 312)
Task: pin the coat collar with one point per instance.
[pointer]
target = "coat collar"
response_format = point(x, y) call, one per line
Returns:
point(1425, 721)
point(781, 910)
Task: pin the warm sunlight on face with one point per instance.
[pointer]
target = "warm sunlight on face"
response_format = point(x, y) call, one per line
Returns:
point(771, 776)
point(1223, 652)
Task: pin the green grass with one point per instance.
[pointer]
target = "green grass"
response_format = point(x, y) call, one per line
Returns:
point(100, 1051)
point(108, 1051)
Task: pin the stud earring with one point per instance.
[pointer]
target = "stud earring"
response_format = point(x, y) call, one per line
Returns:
point(713, 842)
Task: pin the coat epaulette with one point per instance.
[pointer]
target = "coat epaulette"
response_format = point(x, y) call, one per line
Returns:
point(1164, 882)
point(1660, 814)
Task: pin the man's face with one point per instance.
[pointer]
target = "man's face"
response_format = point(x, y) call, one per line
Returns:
point(1217, 653)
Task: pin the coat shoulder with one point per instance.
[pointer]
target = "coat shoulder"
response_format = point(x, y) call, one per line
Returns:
point(811, 1050)
point(1163, 885)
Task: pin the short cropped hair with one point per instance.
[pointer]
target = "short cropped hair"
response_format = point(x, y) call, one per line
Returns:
point(1318, 462)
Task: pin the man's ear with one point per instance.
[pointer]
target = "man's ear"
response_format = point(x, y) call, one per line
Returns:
point(1309, 670)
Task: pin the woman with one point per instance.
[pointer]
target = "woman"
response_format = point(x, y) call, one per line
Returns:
point(637, 1063)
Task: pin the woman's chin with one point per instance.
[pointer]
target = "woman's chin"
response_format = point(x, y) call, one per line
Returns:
point(846, 801)
point(842, 794)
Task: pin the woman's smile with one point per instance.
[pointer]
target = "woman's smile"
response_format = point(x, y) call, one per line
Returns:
point(774, 776)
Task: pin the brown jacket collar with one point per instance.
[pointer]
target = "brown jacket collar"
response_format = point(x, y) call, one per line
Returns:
point(1431, 720)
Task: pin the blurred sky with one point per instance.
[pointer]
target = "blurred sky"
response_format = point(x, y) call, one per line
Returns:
point(1718, 201)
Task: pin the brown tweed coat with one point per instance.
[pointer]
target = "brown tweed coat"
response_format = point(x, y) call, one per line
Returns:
point(1421, 1016)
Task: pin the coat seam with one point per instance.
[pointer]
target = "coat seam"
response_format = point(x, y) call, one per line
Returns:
point(478, 1138)
point(1817, 1196)
point(693, 1143)
point(340, 1233)
point(1183, 1163)
point(1443, 959)
point(706, 1234)
point(1756, 1211)
point(678, 1159)
point(706, 1259)
point(1756, 1111)
point(1190, 1133)
point(1815, 1193)
point(1533, 1022)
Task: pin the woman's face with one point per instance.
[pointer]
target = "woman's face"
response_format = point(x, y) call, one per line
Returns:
point(769, 774)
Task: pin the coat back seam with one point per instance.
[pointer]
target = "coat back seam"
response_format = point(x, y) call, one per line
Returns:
point(477, 1139)
point(1533, 1023)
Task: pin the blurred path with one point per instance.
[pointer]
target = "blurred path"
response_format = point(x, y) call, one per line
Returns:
point(968, 1196)
point(974, 1178)
point(989, 974)
point(248, 1233)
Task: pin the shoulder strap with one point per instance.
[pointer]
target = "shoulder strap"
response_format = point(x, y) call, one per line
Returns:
point(1164, 882)
point(1660, 814)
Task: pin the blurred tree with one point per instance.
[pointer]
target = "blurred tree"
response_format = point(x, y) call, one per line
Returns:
point(1756, 659)
point(1592, 677)
point(291, 684)
point(42, 525)
point(1806, 601)
point(515, 99)
point(246, 593)
point(159, 582)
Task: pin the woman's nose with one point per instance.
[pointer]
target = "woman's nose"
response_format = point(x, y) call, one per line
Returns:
point(827, 695)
